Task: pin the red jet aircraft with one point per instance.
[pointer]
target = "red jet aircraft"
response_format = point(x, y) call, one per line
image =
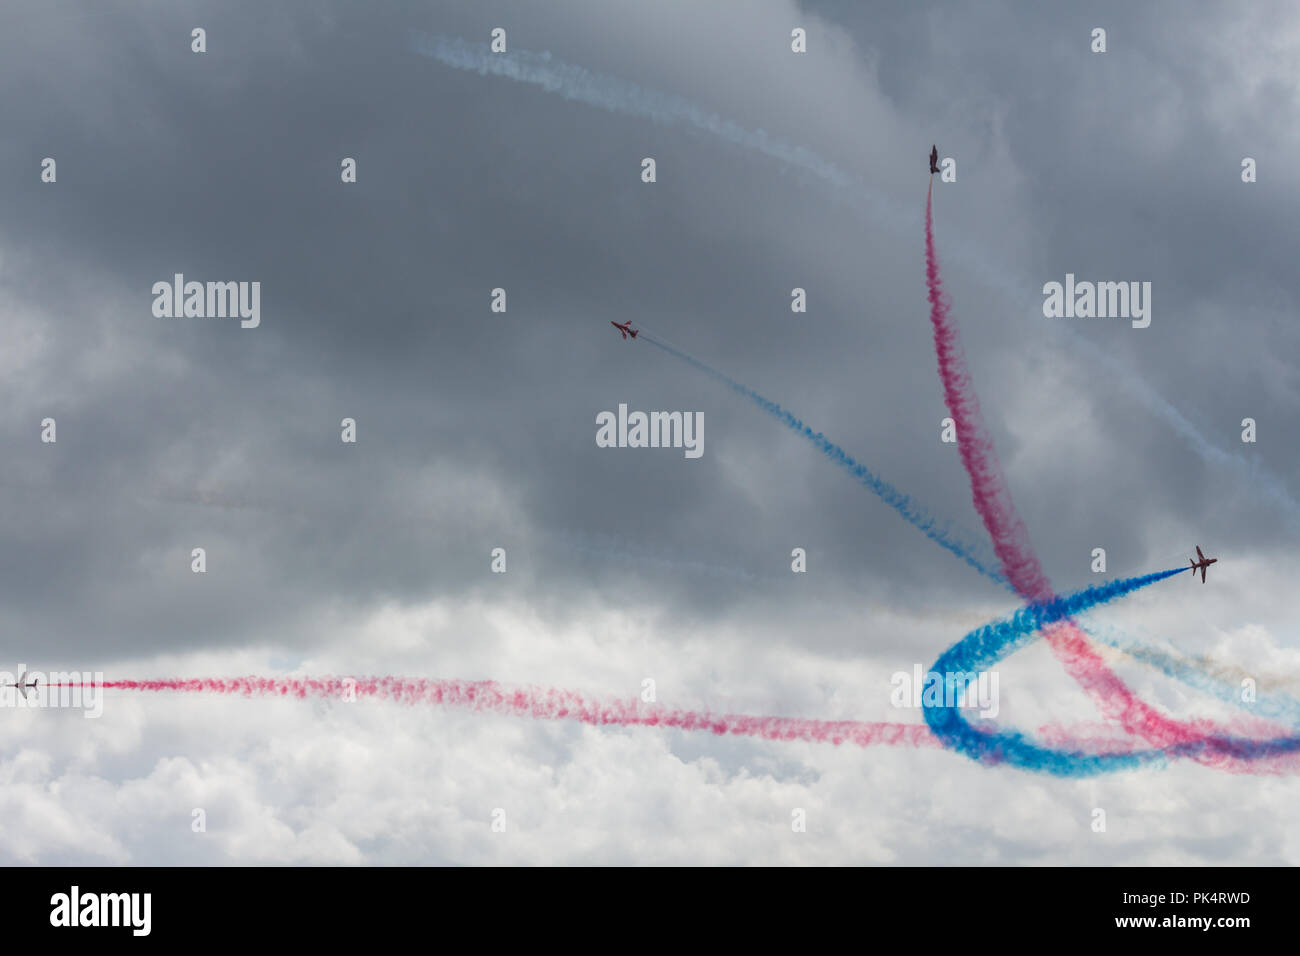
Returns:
point(626, 328)
point(934, 159)
point(23, 685)
point(1203, 563)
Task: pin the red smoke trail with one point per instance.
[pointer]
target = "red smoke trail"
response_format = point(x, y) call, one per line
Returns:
point(1015, 553)
point(544, 703)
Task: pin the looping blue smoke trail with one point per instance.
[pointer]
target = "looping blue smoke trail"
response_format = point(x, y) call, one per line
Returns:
point(620, 96)
point(989, 644)
point(941, 533)
point(985, 646)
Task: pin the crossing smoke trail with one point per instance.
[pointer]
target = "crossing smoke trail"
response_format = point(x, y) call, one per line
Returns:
point(965, 550)
point(1069, 644)
point(540, 703)
point(617, 95)
point(597, 90)
point(979, 649)
point(1209, 676)
point(1276, 708)
point(1019, 562)
point(942, 534)
point(985, 646)
point(1204, 674)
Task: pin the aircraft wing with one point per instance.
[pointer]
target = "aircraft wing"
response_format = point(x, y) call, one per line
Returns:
point(1199, 554)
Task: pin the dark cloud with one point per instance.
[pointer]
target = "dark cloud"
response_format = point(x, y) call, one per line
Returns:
point(477, 430)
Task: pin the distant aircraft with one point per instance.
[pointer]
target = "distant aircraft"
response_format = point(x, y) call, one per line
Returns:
point(626, 328)
point(22, 686)
point(934, 159)
point(1203, 563)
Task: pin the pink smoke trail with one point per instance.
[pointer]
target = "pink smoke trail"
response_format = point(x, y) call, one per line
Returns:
point(544, 703)
point(1011, 542)
point(1109, 738)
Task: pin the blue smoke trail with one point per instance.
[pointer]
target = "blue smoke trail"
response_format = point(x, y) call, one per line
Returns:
point(1191, 672)
point(942, 534)
point(986, 645)
point(618, 95)
point(1250, 470)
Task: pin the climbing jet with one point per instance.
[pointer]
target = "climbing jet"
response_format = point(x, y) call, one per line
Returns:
point(934, 159)
point(1203, 563)
point(626, 328)
point(22, 685)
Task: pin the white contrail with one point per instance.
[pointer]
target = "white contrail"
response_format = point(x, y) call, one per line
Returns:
point(618, 95)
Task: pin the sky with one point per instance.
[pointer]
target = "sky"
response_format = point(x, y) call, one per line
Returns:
point(476, 430)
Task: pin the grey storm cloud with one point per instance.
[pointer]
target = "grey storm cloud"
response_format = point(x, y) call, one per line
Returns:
point(476, 429)
point(225, 166)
